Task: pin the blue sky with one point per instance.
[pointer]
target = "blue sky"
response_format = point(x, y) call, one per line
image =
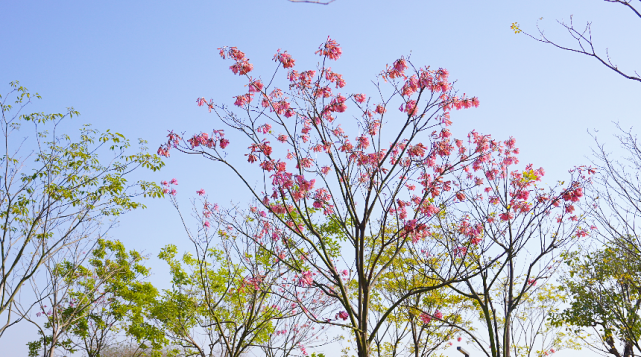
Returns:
point(136, 67)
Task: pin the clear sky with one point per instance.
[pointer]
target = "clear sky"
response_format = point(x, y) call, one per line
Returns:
point(137, 67)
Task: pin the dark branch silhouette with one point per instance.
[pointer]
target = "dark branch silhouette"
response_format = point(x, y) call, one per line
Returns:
point(314, 1)
point(584, 42)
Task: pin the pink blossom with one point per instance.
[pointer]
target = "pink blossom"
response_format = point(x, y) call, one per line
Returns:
point(359, 98)
point(265, 128)
point(242, 100)
point(506, 216)
point(162, 151)
point(425, 318)
point(330, 49)
point(573, 195)
point(475, 240)
point(400, 65)
point(201, 192)
point(241, 67)
point(363, 142)
point(255, 85)
point(438, 315)
point(581, 233)
point(342, 315)
point(398, 69)
point(285, 59)
point(173, 181)
point(306, 279)
point(207, 224)
point(409, 107)
point(531, 282)
point(523, 195)
point(460, 251)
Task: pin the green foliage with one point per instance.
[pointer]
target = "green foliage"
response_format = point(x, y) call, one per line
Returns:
point(604, 292)
point(57, 190)
point(534, 334)
point(213, 296)
point(407, 333)
point(95, 298)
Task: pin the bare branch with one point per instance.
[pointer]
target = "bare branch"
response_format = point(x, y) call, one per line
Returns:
point(313, 1)
point(584, 42)
point(628, 4)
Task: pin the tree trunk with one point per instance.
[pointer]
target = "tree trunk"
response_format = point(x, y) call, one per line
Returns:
point(507, 344)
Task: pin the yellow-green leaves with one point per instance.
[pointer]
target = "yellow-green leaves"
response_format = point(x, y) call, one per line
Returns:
point(515, 27)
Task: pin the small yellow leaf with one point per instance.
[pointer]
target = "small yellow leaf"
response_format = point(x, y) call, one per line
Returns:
point(515, 27)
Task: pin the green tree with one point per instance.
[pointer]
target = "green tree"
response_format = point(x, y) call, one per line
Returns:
point(216, 306)
point(56, 191)
point(534, 334)
point(418, 327)
point(88, 298)
point(604, 292)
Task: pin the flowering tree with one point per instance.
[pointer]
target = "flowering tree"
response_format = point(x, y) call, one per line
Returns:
point(337, 208)
point(56, 191)
point(521, 228)
point(231, 290)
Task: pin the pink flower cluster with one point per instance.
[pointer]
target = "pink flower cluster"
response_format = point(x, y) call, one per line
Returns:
point(306, 279)
point(285, 59)
point(471, 231)
point(242, 65)
point(415, 230)
point(331, 49)
point(202, 139)
point(426, 318)
point(342, 315)
point(531, 282)
point(166, 186)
